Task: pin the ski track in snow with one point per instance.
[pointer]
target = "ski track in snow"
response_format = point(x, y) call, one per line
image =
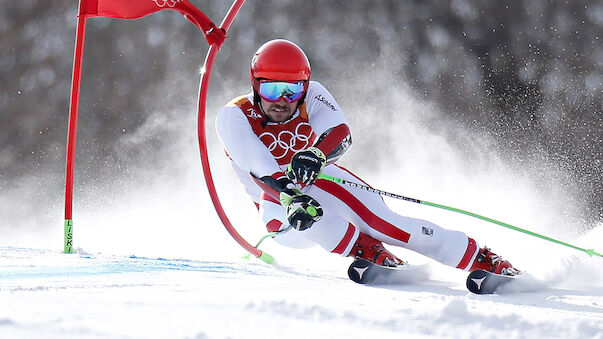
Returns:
point(52, 295)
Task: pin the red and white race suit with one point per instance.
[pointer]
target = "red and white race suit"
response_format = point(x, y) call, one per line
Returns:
point(262, 148)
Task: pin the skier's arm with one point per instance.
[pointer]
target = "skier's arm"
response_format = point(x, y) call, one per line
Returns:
point(242, 145)
point(328, 122)
point(334, 142)
point(302, 210)
point(251, 155)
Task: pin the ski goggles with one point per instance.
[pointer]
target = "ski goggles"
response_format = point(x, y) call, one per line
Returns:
point(274, 91)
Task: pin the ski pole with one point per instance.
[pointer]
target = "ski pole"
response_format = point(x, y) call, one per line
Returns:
point(269, 235)
point(590, 252)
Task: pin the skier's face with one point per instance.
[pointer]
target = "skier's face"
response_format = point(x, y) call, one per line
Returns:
point(280, 110)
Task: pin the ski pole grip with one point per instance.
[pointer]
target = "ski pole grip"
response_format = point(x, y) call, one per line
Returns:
point(330, 178)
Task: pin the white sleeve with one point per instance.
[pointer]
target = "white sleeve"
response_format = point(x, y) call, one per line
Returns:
point(323, 111)
point(242, 144)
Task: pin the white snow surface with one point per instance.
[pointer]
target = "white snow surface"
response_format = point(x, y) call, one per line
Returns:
point(48, 294)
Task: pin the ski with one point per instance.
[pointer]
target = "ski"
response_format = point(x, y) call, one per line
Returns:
point(363, 271)
point(484, 282)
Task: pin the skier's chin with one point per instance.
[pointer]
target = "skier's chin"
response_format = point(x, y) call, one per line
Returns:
point(279, 115)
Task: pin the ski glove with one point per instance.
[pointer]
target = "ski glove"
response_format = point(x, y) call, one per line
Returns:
point(306, 165)
point(302, 210)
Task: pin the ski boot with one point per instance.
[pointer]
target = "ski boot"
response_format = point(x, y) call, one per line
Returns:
point(371, 249)
point(491, 262)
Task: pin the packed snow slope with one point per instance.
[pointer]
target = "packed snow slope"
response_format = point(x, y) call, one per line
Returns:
point(47, 294)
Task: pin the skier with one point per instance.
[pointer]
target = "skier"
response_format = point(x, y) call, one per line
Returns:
point(289, 129)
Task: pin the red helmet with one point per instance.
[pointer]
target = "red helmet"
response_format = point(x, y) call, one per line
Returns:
point(279, 60)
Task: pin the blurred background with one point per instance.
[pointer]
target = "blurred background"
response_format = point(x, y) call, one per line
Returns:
point(490, 106)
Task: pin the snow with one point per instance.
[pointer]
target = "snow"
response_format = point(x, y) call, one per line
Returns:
point(48, 294)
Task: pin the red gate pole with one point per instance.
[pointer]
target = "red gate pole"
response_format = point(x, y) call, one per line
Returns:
point(72, 131)
point(203, 86)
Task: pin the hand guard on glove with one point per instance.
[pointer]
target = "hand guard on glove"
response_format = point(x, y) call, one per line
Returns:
point(302, 210)
point(306, 165)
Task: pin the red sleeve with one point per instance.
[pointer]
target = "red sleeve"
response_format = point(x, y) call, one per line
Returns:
point(334, 142)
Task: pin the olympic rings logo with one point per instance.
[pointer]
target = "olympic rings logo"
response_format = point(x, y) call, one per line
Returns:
point(287, 141)
point(168, 3)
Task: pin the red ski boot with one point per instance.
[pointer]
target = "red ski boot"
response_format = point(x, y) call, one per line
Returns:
point(489, 261)
point(371, 249)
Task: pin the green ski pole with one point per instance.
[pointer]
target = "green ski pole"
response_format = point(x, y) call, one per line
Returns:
point(269, 235)
point(590, 252)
